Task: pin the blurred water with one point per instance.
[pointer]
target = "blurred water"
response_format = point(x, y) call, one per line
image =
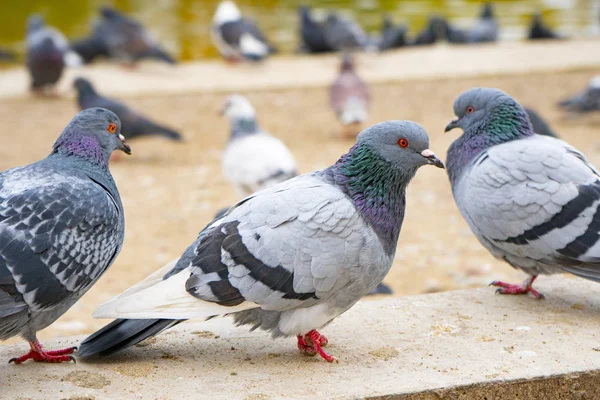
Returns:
point(183, 25)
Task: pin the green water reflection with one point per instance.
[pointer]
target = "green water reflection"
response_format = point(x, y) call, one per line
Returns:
point(182, 25)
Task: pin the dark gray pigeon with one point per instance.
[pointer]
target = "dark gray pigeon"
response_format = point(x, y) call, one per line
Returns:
point(586, 101)
point(133, 123)
point(349, 97)
point(120, 37)
point(237, 38)
point(288, 259)
point(392, 36)
point(343, 34)
point(433, 31)
point(486, 28)
point(46, 52)
point(540, 126)
point(539, 30)
point(312, 33)
point(531, 200)
point(61, 227)
point(91, 48)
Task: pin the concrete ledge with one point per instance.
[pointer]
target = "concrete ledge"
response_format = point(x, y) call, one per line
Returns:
point(462, 344)
point(436, 62)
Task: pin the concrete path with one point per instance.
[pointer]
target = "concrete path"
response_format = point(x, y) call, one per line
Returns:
point(436, 62)
point(463, 344)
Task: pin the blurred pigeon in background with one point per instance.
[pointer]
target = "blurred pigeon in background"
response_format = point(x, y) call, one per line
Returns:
point(118, 36)
point(343, 34)
point(349, 97)
point(48, 53)
point(486, 28)
point(288, 259)
point(61, 227)
point(312, 33)
point(540, 126)
point(392, 36)
point(531, 200)
point(539, 30)
point(434, 30)
point(236, 37)
point(253, 159)
point(133, 124)
point(586, 101)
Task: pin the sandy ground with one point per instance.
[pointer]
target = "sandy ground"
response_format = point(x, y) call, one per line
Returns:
point(170, 191)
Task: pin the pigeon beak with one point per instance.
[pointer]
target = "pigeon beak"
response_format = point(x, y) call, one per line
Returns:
point(124, 146)
point(453, 124)
point(432, 159)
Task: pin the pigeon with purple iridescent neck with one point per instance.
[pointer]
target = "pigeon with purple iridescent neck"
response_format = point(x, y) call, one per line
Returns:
point(287, 259)
point(61, 227)
point(531, 200)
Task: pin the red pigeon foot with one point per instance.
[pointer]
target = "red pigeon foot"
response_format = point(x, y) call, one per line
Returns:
point(37, 353)
point(526, 287)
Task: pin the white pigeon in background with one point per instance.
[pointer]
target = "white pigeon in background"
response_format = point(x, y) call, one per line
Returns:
point(253, 159)
point(236, 37)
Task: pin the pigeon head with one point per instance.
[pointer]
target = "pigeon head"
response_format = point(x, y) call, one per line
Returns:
point(487, 12)
point(35, 22)
point(93, 134)
point(238, 107)
point(83, 87)
point(109, 13)
point(347, 62)
point(242, 115)
point(377, 169)
point(227, 11)
point(490, 113)
point(403, 144)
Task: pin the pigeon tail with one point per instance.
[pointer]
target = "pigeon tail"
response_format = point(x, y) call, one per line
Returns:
point(121, 334)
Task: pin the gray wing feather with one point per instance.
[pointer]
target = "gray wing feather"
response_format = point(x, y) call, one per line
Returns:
point(57, 236)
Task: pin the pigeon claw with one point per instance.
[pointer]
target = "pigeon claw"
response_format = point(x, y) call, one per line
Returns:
point(525, 288)
point(312, 344)
point(38, 354)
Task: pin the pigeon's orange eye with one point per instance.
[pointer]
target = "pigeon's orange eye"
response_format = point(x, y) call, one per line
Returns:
point(112, 127)
point(470, 109)
point(402, 142)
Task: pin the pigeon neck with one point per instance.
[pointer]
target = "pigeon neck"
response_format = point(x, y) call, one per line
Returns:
point(241, 127)
point(85, 147)
point(377, 189)
point(507, 122)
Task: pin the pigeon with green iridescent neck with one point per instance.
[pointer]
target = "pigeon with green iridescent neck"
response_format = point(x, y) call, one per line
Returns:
point(531, 200)
point(61, 227)
point(288, 259)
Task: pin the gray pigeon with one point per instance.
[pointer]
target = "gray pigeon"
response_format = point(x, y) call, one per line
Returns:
point(486, 28)
point(531, 200)
point(61, 227)
point(312, 33)
point(392, 36)
point(349, 97)
point(540, 126)
point(288, 259)
point(133, 124)
point(539, 30)
point(47, 53)
point(237, 38)
point(122, 38)
point(586, 101)
point(343, 34)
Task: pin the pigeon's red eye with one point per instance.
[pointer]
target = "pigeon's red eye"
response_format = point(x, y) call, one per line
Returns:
point(112, 127)
point(470, 109)
point(402, 142)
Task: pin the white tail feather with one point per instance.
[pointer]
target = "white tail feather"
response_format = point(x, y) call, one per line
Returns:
point(157, 298)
